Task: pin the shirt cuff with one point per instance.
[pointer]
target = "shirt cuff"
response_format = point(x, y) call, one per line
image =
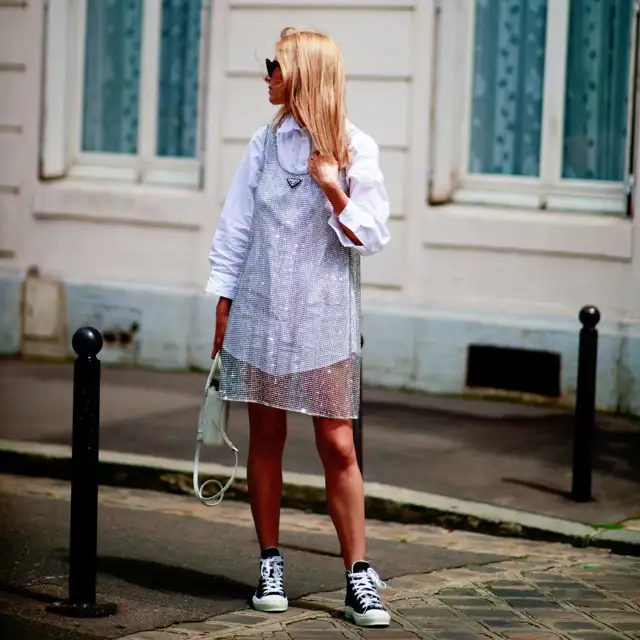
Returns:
point(215, 286)
point(351, 218)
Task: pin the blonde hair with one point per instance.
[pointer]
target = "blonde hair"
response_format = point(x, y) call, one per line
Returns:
point(315, 89)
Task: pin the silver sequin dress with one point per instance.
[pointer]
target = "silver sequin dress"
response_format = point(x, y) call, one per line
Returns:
point(293, 335)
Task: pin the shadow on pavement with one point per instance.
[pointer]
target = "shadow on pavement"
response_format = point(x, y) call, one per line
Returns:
point(155, 576)
point(536, 486)
point(163, 568)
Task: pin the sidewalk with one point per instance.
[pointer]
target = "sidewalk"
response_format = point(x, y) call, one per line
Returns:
point(181, 571)
point(503, 454)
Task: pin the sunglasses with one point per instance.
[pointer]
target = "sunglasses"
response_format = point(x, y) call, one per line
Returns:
point(272, 65)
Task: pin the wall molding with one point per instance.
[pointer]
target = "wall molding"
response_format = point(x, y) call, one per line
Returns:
point(122, 203)
point(541, 232)
point(15, 67)
point(384, 5)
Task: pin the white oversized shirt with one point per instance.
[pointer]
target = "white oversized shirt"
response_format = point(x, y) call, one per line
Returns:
point(366, 213)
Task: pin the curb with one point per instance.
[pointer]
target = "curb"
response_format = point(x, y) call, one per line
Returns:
point(306, 492)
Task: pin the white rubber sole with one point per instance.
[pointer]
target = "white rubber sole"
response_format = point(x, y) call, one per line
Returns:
point(270, 604)
point(372, 618)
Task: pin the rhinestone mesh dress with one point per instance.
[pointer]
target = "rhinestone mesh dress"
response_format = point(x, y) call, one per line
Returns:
point(293, 335)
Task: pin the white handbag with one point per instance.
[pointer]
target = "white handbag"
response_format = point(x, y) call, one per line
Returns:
point(212, 430)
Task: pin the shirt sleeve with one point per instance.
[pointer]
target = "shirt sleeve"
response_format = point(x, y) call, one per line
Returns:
point(367, 211)
point(229, 246)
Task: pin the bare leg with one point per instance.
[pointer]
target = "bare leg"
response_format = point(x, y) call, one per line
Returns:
point(343, 481)
point(267, 435)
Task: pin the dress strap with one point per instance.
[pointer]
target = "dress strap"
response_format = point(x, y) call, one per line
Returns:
point(269, 144)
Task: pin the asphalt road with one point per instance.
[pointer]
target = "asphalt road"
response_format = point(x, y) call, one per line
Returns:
point(507, 454)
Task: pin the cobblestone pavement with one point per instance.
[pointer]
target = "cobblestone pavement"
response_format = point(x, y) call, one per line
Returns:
point(597, 598)
point(544, 591)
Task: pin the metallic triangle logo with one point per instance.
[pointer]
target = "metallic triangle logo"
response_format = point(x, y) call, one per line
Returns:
point(294, 182)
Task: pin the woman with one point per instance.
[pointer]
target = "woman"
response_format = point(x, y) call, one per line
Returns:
point(307, 201)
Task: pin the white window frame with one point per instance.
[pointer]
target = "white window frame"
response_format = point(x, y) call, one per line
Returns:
point(449, 178)
point(61, 154)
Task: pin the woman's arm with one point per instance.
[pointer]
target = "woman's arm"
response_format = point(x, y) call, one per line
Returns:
point(361, 217)
point(339, 201)
point(229, 246)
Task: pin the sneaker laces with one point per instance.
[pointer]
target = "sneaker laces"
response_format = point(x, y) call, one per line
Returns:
point(364, 585)
point(271, 572)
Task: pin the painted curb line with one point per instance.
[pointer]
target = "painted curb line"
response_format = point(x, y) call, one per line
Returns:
point(305, 491)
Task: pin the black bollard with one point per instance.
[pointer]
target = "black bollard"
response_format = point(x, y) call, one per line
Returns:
point(357, 423)
point(81, 603)
point(585, 411)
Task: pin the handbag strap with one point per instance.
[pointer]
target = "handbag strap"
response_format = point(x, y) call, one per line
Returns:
point(215, 370)
point(212, 501)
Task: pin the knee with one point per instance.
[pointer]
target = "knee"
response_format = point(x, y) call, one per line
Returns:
point(336, 449)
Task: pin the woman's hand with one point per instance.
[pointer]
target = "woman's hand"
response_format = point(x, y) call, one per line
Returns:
point(323, 169)
point(222, 317)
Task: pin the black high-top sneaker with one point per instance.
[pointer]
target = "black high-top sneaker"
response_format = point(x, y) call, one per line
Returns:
point(270, 594)
point(363, 604)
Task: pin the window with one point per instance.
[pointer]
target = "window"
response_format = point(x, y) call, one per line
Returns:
point(534, 103)
point(132, 90)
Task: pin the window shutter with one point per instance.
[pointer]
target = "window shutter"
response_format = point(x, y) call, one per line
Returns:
point(53, 152)
point(634, 81)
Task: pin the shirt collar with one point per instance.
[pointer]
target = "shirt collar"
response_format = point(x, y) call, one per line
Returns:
point(289, 124)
